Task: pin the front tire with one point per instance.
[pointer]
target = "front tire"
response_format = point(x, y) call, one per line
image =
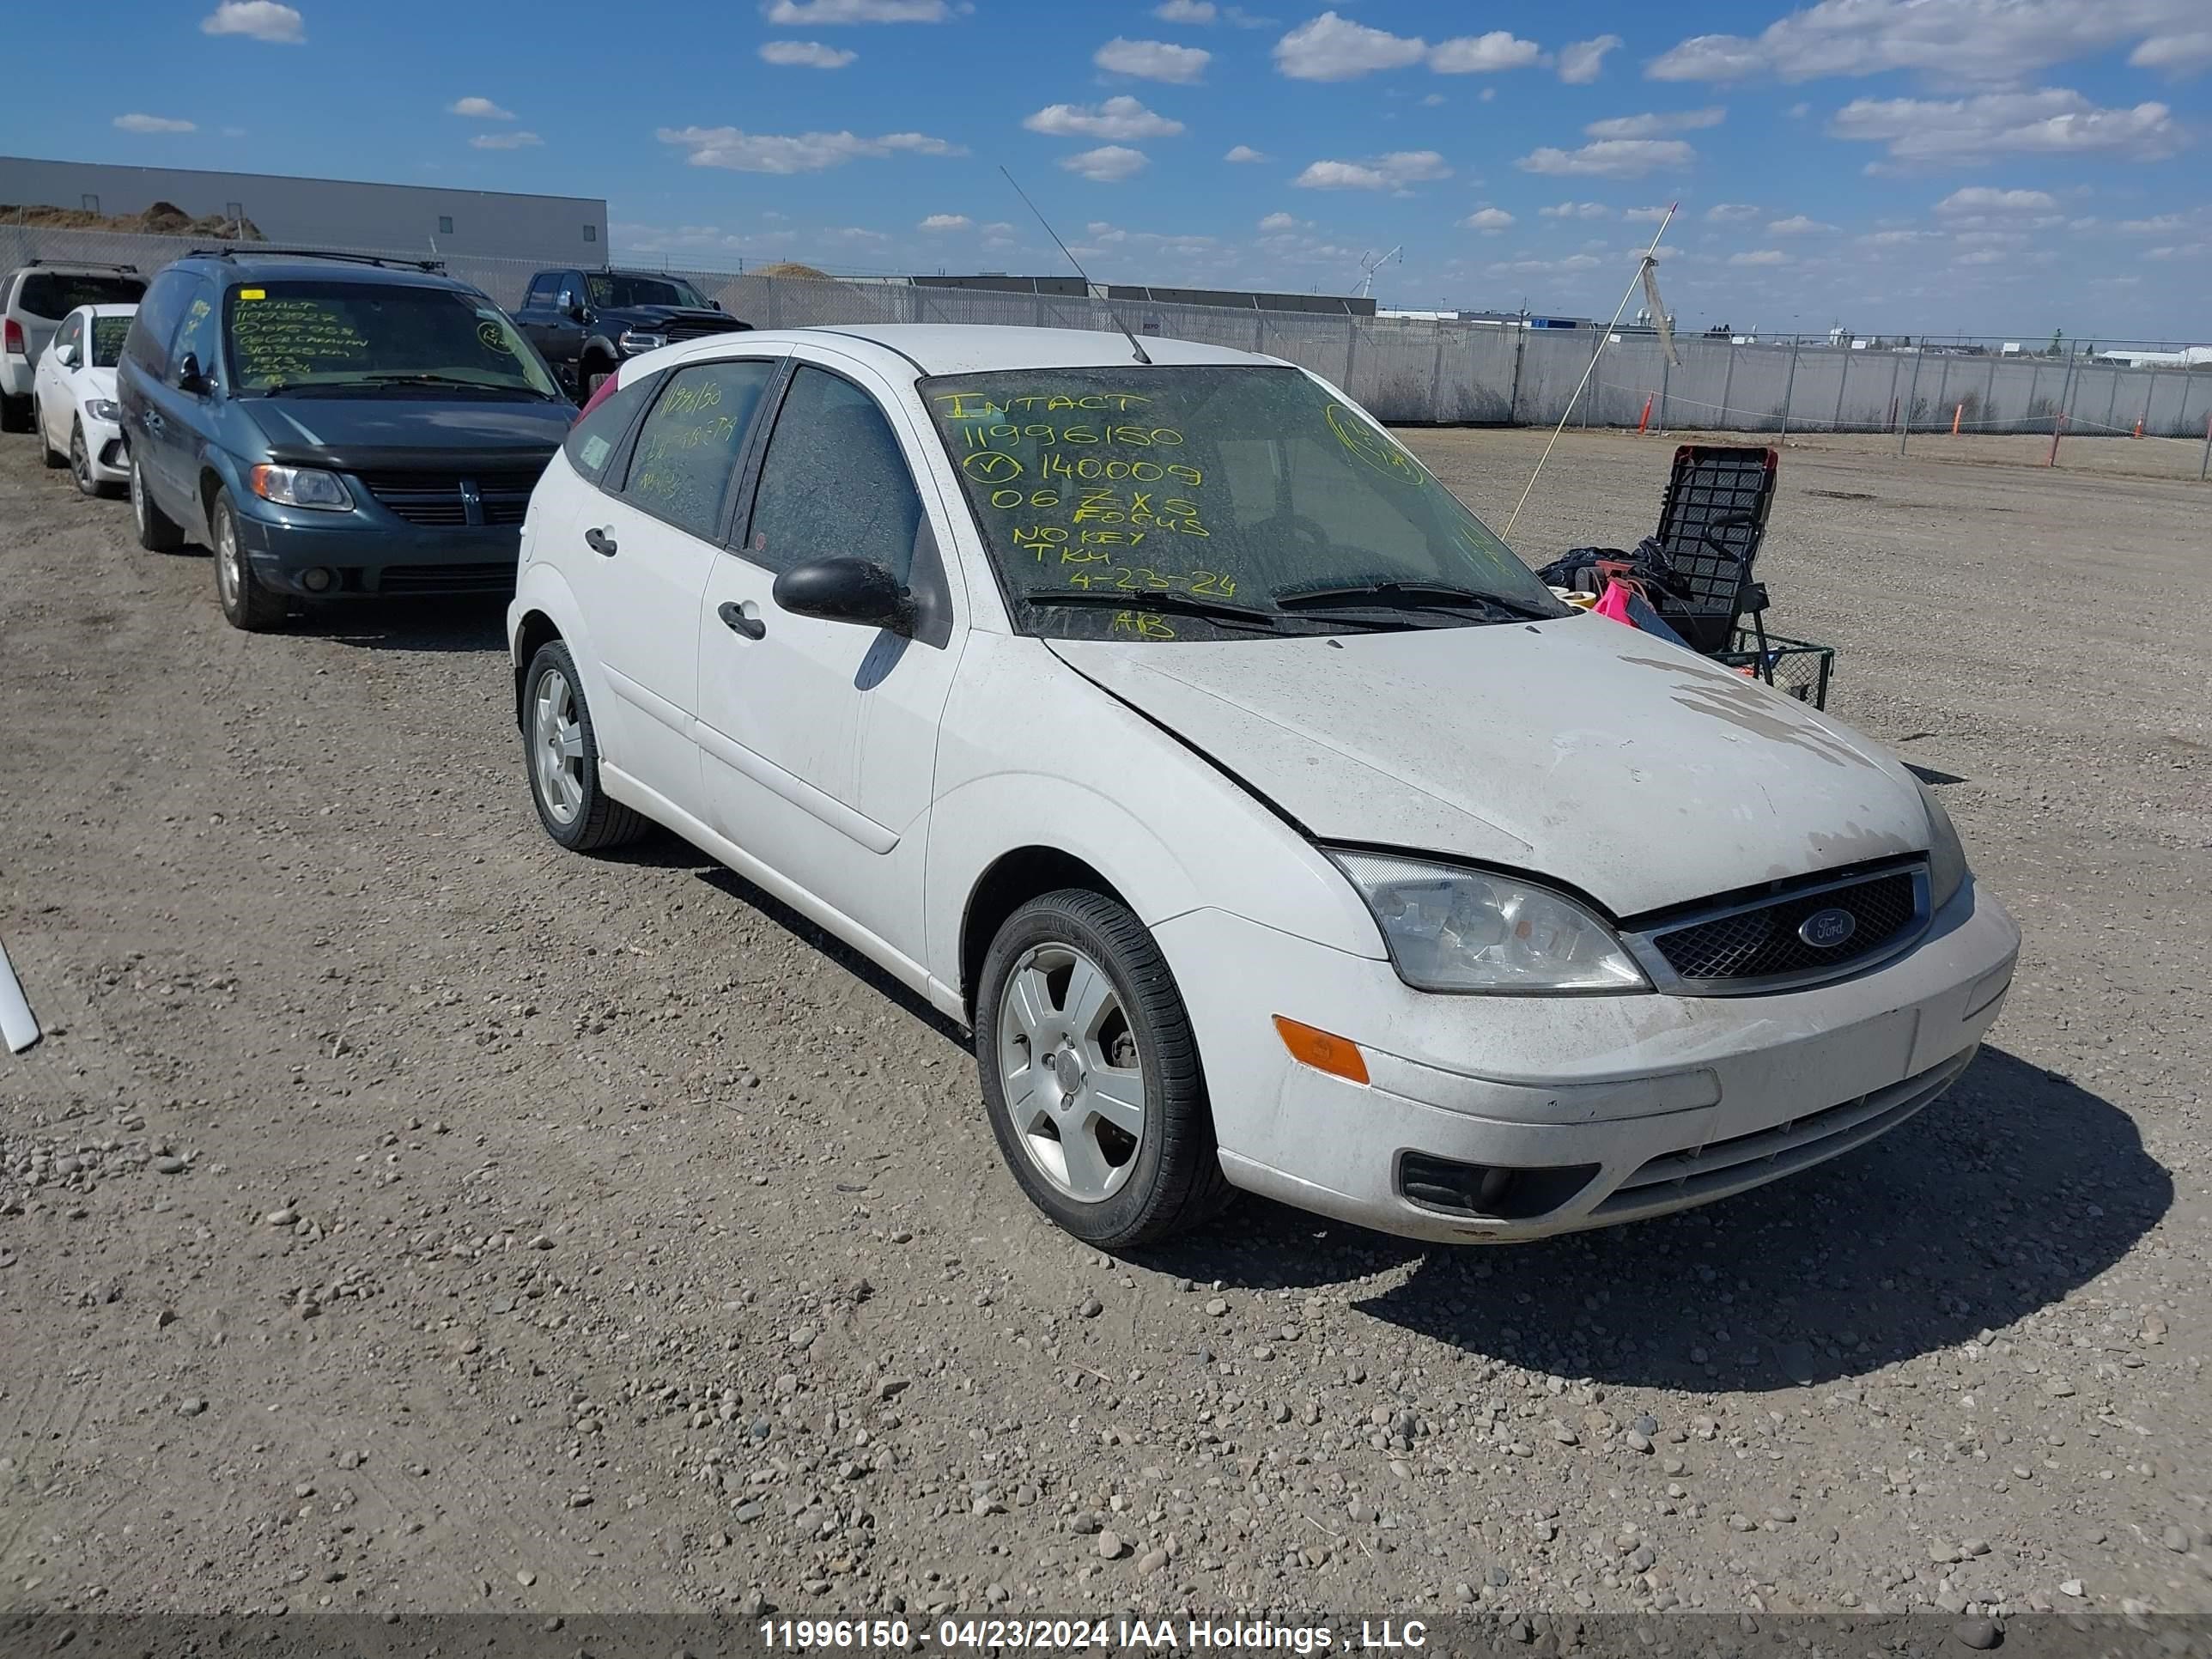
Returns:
point(246, 602)
point(561, 747)
point(157, 531)
point(53, 458)
point(80, 463)
point(1090, 1074)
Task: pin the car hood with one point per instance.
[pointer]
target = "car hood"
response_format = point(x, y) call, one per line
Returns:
point(1579, 749)
point(96, 383)
point(317, 429)
point(649, 317)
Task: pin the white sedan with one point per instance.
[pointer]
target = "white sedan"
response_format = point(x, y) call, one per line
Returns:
point(78, 421)
point(1150, 710)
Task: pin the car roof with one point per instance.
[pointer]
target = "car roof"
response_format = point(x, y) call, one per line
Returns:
point(293, 267)
point(980, 348)
point(111, 311)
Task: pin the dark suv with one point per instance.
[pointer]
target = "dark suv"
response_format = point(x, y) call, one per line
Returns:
point(332, 428)
point(586, 322)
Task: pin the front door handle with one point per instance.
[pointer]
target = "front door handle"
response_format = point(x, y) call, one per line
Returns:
point(735, 618)
point(600, 542)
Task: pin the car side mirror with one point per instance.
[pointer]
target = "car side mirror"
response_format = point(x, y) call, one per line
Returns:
point(716, 304)
point(189, 377)
point(846, 591)
point(68, 355)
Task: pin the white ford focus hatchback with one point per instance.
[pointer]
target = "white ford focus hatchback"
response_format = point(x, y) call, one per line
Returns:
point(1168, 724)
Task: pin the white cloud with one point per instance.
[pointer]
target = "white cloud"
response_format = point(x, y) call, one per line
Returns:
point(1117, 118)
point(1153, 60)
point(1797, 225)
point(947, 222)
point(1243, 153)
point(1645, 216)
point(505, 140)
point(1654, 126)
point(1611, 158)
point(1896, 238)
point(1109, 164)
point(1766, 256)
point(1729, 213)
point(1392, 172)
point(136, 123)
point(1993, 41)
point(2179, 54)
point(1980, 199)
point(1282, 221)
point(1334, 48)
point(258, 20)
point(479, 109)
point(805, 54)
point(1488, 219)
point(2165, 224)
point(1583, 62)
point(2051, 121)
point(803, 13)
point(1576, 210)
point(1186, 11)
point(1483, 54)
point(805, 152)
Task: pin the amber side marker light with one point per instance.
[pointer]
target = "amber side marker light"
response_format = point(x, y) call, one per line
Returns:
point(1338, 1056)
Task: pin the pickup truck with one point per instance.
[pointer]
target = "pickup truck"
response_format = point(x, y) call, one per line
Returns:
point(584, 323)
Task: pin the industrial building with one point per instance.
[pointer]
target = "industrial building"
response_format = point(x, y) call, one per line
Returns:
point(326, 212)
point(1332, 304)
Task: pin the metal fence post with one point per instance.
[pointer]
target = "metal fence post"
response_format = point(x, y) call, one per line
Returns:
point(1665, 364)
point(1790, 387)
point(2207, 460)
point(1911, 398)
point(1437, 379)
point(1721, 416)
point(1351, 346)
point(1513, 398)
point(1896, 368)
point(1842, 380)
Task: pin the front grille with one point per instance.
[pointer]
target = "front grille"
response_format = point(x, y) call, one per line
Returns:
point(1750, 1160)
point(447, 578)
point(1764, 943)
point(444, 498)
point(688, 331)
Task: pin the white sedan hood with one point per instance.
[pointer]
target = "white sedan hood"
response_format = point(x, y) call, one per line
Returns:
point(1578, 749)
point(93, 383)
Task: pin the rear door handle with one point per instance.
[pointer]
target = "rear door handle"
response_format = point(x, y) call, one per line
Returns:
point(600, 542)
point(735, 618)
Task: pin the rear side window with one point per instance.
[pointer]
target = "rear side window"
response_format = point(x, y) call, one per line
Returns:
point(58, 293)
point(592, 441)
point(835, 481)
point(688, 448)
point(158, 313)
point(196, 334)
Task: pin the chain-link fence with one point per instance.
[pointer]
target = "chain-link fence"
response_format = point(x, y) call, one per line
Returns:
point(1418, 371)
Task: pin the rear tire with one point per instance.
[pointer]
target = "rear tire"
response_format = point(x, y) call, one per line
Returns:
point(246, 604)
point(560, 752)
point(47, 453)
point(1078, 1019)
point(157, 531)
point(15, 414)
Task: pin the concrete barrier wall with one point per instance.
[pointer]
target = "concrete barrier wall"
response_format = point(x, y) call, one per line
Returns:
point(1452, 372)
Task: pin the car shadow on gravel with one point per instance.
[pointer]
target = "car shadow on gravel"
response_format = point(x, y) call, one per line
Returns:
point(476, 623)
point(2016, 1187)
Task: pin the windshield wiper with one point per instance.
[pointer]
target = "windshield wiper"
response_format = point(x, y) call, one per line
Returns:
point(1407, 596)
point(450, 380)
point(1182, 605)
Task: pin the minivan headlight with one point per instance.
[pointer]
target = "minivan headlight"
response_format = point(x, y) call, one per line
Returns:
point(301, 486)
point(1946, 855)
point(1460, 930)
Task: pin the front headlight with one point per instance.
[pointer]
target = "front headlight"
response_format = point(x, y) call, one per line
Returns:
point(301, 486)
point(633, 340)
point(102, 409)
point(1947, 856)
point(1453, 929)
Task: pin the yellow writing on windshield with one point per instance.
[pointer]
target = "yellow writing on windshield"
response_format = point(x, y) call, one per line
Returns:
point(1371, 447)
point(975, 405)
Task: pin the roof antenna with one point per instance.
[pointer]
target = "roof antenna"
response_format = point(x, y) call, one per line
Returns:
point(1079, 271)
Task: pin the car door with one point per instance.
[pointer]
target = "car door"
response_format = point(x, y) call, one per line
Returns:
point(819, 738)
point(159, 415)
point(55, 404)
point(641, 556)
point(187, 412)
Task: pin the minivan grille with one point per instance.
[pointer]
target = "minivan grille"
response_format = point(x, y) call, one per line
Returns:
point(1764, 943)
point(446, 578)
point(443, 498)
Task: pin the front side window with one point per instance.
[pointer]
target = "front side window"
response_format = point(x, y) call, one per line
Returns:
point(687, 449)
point(196, 333)
point(71, 332)
point(334, 337)
point(833, 482)
point(610, 291)
point(1253, 492)
point(156, 319)
point(108, 334)
point(544, 291)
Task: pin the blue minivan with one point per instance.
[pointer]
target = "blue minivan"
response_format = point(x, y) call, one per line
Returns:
point(332, 427)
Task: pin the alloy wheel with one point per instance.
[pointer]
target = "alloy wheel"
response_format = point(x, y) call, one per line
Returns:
point(1073, 1081)
point(229, 577)
point(556, 746)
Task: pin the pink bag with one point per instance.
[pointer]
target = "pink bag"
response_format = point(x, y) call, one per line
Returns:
point(1613, 603)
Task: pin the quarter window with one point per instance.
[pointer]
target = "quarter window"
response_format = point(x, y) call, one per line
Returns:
point(592, 441)
point(834, 482)
point(688, 448)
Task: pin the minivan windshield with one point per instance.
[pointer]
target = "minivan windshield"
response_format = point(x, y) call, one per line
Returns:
point(337, 337)
point(612, 293)
point(1214, 501)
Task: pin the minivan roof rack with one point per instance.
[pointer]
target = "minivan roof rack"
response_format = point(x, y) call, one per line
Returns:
point(436, 267)
point(86, 265)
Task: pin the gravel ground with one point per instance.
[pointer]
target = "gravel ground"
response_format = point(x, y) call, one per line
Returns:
point(404, 1214)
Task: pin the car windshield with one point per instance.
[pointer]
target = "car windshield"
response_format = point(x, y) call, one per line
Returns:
point(617, 293)
point(108, 334)
point(322, 336)
point(1245, 501)
point(58, 293)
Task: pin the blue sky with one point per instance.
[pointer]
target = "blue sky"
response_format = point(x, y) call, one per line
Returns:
point(1991, 166)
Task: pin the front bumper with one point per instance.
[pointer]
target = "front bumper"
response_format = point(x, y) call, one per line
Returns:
point(1637, 1105)
point(103, 446)
point(363, 559)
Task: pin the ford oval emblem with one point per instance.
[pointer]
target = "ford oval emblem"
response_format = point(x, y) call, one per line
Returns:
point(1824, 930)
